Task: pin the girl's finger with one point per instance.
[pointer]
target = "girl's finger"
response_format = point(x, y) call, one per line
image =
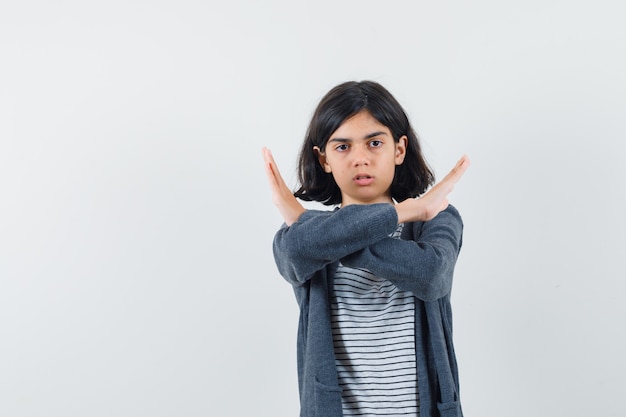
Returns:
point(269, 168)
point(459, 169)
point(276, 179)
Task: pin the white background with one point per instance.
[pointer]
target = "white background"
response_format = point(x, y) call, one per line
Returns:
point(136, 273)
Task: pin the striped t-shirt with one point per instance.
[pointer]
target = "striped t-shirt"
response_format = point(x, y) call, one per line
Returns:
point(374, 339)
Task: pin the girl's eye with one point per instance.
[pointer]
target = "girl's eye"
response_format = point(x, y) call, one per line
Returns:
point(376, 143)
point(342, 148)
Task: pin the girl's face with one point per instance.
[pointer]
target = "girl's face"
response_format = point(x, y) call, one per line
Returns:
point(362, 156)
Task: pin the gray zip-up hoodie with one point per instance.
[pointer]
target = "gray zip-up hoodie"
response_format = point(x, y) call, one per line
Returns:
point(422, 261)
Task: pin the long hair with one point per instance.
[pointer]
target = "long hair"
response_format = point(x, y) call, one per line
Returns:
point(412, 178)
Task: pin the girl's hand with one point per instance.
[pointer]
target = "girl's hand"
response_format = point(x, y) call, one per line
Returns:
point(435, 200)
point(289, 207)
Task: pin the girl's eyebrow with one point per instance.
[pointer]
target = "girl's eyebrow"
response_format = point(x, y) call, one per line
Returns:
point(373, 135)
point(369, 136)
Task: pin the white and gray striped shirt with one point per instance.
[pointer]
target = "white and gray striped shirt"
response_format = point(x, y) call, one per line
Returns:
point(374, 339)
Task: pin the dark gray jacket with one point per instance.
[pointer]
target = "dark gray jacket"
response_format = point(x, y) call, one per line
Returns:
point(422, 261)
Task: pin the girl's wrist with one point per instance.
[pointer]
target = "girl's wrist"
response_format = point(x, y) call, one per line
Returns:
point(409, 210)
point(292, 213)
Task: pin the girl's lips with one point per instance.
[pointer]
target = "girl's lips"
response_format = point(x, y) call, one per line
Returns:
point(363, 179)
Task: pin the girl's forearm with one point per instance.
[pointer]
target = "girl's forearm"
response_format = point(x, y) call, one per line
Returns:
point(322, 237)
point(423, 265)
point(419, 209)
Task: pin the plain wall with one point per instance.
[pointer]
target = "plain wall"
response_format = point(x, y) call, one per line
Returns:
point(136, 272)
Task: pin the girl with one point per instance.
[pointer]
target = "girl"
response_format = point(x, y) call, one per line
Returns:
point(373, 276)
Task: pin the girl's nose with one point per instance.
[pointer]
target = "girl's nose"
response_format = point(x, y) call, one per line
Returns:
point(360, 156)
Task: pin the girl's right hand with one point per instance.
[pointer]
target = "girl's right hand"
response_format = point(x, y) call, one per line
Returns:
point(435, 200)
point(289, 207)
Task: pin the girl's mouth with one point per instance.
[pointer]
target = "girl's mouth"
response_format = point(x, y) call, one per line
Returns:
point(363, 179)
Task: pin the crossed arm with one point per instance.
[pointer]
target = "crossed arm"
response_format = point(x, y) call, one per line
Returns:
point(358, 235)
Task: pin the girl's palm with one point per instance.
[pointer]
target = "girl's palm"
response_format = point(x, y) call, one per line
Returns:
point(289, 207)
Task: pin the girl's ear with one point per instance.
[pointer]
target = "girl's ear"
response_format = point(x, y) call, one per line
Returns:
point(321, 157)
point(401, 149)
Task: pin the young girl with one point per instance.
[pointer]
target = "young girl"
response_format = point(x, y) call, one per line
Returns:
point(373, 276)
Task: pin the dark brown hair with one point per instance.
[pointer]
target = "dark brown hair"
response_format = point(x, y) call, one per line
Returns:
point(412, 178)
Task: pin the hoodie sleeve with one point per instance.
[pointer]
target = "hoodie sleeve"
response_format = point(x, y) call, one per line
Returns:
point(319, 238)
point(425, 265)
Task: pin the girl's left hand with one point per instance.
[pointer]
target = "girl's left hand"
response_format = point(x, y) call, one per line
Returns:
point(435, 200)
point(289, 207)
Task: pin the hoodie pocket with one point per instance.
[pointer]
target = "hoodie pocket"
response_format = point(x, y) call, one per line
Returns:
point(450, 409)
point(327, 400)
